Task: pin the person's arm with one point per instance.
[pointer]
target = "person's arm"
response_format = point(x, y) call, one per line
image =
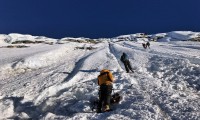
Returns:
point(122, 59)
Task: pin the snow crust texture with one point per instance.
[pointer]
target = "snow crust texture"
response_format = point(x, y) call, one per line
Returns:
point(59, 81)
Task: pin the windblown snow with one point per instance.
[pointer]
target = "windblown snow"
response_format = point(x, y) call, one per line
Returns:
point(59, 80)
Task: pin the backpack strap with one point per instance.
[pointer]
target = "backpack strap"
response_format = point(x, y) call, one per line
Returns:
point(108, 77)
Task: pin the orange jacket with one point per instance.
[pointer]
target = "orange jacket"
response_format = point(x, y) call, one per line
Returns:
point(105, 77)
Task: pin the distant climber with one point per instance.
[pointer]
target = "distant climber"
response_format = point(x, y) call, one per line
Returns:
point(125, 60)
point(148, 44)
point(105, 80)
point(144, 45)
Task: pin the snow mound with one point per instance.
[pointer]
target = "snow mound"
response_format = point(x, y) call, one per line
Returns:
point(175, 36)
point(34, 62)
point(165, 39)
point(4, 39)
point(19, 37)
point(41, 60)
point(181, 71)
point(183, 35)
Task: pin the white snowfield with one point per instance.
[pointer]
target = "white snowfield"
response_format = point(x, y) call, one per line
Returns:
point(59, 81)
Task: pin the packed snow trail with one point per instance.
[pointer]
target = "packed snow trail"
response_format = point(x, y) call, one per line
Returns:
point(141, 89)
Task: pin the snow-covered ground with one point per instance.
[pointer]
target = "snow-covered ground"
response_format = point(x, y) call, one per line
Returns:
point(58, 81)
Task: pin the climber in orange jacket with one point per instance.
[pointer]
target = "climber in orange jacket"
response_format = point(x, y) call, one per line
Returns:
point(105, 80)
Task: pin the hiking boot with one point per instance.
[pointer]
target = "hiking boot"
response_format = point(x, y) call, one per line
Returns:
point(106, 108)
point(99, 111)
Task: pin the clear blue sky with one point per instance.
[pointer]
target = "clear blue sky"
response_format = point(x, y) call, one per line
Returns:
point(97, 18)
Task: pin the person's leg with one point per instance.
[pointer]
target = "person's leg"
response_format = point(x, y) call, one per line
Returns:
point(99, 106)
point(129, 66)
point(126, 66)
point(107, 98)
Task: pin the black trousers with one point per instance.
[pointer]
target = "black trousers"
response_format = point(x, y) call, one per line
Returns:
point(127, 66)
point(104, 96)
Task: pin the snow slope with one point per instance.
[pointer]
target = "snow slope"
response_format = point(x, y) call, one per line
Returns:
point(59, 81)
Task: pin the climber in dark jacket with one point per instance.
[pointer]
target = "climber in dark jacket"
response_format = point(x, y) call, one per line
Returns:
point(144, 45)
point(125, 60)
point(148, 44)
